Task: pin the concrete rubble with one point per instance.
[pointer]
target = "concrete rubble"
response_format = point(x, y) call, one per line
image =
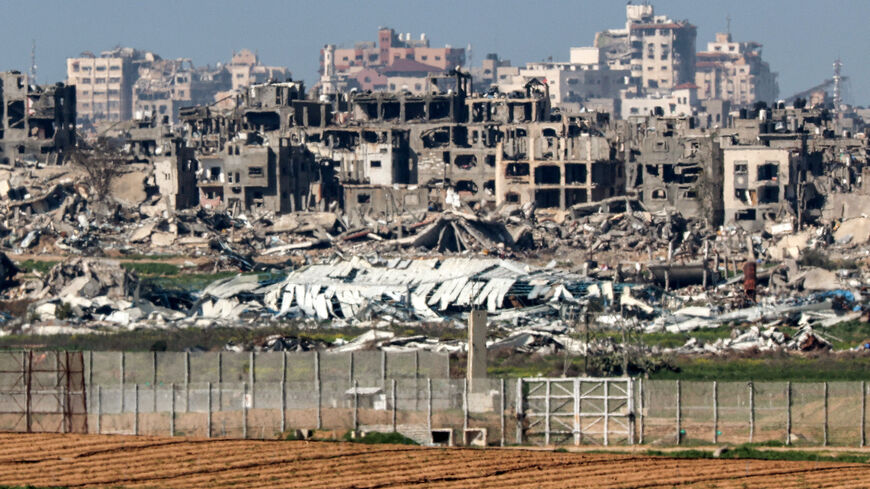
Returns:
point(376, 210)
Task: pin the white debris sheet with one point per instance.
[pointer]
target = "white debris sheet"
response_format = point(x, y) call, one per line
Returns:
point(427, 288)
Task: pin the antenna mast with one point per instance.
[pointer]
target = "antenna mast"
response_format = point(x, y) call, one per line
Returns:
point(838, 89)
point(33, 62)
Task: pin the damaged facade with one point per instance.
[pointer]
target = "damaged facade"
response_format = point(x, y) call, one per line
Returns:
point(38, 122)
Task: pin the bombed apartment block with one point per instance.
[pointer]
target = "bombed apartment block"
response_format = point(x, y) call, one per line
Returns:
point(673, 166)
point(382, 202)
point(760, 185)
point(556, 166)
point(278, 178)
point(38, 122)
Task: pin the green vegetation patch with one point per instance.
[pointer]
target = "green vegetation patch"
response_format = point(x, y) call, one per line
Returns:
point(31, 266)
point(756, 452)
point(378, 438)
point(152, 268)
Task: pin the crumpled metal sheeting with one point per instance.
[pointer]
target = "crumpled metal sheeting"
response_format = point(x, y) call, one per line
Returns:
point(426, 288)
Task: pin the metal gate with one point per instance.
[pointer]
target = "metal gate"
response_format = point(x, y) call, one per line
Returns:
point(43, 391)
point(563, 411)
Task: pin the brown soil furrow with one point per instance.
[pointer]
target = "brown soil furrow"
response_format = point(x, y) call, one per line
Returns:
point(120, 461)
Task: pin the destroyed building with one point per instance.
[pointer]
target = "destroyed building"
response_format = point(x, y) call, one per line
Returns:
point(674, 166)
point(247, 160)
point(38, 122)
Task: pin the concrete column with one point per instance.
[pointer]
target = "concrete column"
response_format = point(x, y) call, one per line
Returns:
point(475, 372)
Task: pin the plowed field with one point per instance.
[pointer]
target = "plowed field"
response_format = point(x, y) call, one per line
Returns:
point(118, 461)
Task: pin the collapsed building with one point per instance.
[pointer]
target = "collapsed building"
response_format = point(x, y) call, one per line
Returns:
point(38, 122)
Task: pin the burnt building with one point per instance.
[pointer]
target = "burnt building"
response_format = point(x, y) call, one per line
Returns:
point(38, 122)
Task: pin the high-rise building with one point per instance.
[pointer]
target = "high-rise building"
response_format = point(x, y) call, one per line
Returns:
point(104, 84)
point(734, 71)
point(659, 51)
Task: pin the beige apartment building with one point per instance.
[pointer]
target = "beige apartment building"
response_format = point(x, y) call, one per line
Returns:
point(734, 71)
point(759, 185)
point(659, 51)
point(246, 70)
point(104, 84)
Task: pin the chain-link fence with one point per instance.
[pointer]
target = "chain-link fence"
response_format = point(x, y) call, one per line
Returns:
point(793, 413)
point(426, 410)
point(265, 394)
point(164, 368)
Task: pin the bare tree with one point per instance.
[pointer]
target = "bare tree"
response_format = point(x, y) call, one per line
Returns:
point(102, 163)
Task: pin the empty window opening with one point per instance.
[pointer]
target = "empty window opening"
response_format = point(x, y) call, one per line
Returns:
point(490, 160)
point(435, 138)
point(575, 196)
point(745, 215)
point(575, 173)
point(768, 171)
point(512, 197)
point(659, 194)
point(547, 198)
point(363, 198)
point(466, 186)
point(517, 170)
point(255, 172)
point(548, 175)
point(375, 163)
point(466, 162)
point(768, 195)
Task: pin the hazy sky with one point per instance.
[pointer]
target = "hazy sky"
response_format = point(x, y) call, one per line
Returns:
point(801, 37)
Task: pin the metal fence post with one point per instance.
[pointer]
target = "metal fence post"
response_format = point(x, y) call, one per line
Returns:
point(518, 411)
point(350, 367)
point(502, 405)
point(99, 409)
point(630, 395)
point(172, 409)
point(384, 368)
point(355, 406)
point(154, 379)
point(220, 387)
point(123, 361)
point(751, 411)
point(715, 412)
point(679, 413)
point(826, 414)
point(208, 417)
point(90, 377)
point(863, 412)
point(547, 414)
point(429, 408)
point(788, 413)
point(283, 391)
point(186, 381)
point(578, 427)
point(318, 389)
point(464, 407)
point(640, 408)
point(253, 381)
point(245, 410)
point(393, 402)
point(606, 412)
point(136, 409)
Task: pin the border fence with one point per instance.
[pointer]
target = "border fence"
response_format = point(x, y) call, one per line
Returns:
point(270, 394)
